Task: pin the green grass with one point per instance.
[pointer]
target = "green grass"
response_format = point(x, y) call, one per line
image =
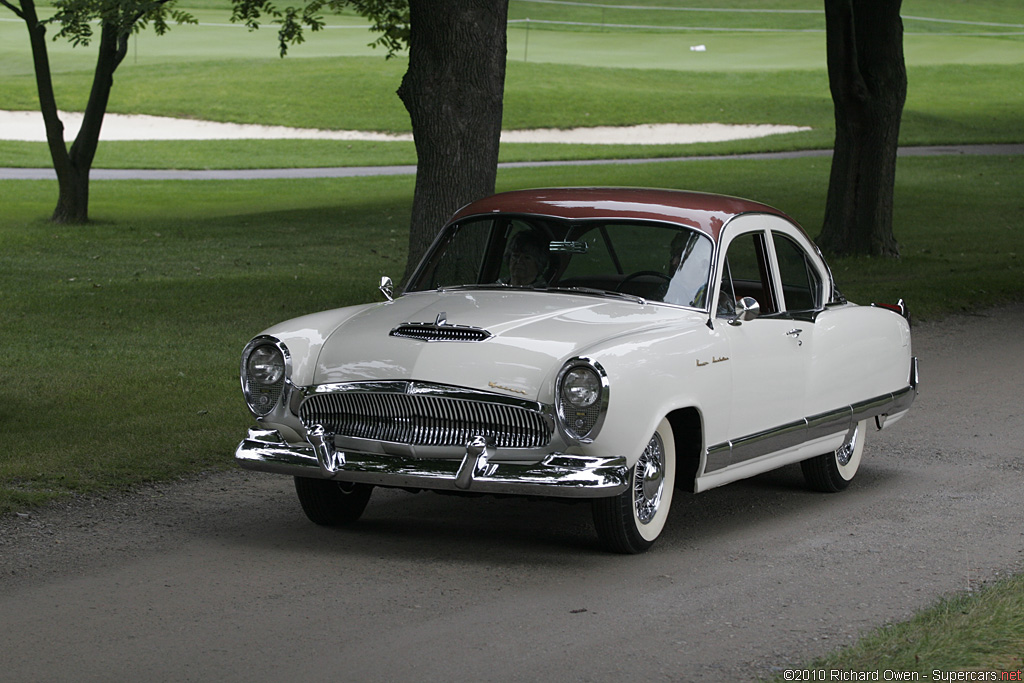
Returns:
point(981, 631)
point(121, 336)
point(537, 96)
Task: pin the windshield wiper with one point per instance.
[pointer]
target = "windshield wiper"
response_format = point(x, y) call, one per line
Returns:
point(598, 292)
point(486, 285)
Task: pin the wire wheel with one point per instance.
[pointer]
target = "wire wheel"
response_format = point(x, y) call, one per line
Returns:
point(633, 520)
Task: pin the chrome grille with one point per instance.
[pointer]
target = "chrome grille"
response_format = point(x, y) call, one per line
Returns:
point(427, 332)
point(425, 420)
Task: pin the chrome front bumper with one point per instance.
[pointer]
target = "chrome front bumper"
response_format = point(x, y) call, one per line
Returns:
point(557, 475)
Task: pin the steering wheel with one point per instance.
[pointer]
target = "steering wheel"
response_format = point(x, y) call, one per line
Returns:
point(642, 273)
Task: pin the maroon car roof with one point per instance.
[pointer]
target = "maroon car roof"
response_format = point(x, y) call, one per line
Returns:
point(706, 212)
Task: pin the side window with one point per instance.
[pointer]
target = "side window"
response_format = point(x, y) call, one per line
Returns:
point(801, 285)
point(746, 273)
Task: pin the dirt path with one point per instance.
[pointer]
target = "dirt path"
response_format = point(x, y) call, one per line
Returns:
point(221, 578)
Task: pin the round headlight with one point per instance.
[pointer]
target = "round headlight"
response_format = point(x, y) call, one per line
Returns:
point(581, 387)
point(581, 399)
point(266, 365)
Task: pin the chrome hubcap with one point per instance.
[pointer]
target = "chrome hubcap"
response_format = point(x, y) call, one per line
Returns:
point(649, 480)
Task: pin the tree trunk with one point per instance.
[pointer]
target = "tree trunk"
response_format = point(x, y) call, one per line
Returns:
point(453, 91)
point(868, 80)
point(70, 206)
point(72, 168)
point(73, 197)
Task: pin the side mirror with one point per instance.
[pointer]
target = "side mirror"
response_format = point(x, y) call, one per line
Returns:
point(387, 288)
point(747, 308)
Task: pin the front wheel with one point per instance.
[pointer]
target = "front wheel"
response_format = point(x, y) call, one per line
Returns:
point(833, 472)
point(332, 503)
point(631, 521)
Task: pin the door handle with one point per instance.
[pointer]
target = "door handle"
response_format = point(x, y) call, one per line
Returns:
point(795, 334)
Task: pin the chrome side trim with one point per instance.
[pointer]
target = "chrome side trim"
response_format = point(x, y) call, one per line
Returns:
point(787, 436)
point(557, 475)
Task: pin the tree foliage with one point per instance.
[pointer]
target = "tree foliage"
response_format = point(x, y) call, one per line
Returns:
point(76, 19)
point(453, 90)
point(390, 19)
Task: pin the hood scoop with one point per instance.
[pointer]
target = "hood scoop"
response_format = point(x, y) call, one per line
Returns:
point(440, 330)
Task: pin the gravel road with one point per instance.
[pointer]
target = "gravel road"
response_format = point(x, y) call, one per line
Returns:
point(222, 578)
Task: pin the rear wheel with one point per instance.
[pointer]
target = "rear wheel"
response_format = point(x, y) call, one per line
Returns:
point(631, 521)
point(332, 503)
point(834, 471)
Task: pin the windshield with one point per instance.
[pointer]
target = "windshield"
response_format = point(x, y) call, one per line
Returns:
point(656, 261)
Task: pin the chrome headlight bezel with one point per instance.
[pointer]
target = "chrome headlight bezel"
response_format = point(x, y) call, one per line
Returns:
point(581, 413)
point(263, 397)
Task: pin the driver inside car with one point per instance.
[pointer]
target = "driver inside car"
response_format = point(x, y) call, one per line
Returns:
point(527, 255)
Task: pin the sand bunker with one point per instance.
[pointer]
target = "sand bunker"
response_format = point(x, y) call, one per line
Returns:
point(28, 126)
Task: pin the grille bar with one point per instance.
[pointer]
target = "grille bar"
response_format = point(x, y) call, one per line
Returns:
point(425, 420)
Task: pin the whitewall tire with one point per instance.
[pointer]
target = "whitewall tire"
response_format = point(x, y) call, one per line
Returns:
point(632, 521)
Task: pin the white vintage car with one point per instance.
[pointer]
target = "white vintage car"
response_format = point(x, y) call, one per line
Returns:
point(609, 345)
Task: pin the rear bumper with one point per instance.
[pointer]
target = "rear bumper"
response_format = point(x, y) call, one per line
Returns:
point(557, 475)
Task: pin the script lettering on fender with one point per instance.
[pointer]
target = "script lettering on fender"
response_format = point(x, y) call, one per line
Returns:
point(495, 385)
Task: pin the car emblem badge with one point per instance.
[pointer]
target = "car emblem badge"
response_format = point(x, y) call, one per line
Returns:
point(442, 319)
point(495, 385)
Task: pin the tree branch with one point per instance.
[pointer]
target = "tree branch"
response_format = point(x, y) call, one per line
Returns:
point(12, 8)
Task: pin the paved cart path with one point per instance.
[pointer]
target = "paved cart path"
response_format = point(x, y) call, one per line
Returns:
point(362, 171)
point(221, 577)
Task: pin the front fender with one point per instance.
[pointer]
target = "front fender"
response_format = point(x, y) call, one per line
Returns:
point(654, 375)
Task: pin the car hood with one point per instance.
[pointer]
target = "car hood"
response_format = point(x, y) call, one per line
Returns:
point(531, 335)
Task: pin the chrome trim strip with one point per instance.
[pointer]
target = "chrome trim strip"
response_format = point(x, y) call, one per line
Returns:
point(429, 389)
point(745, 448)
point(557, 475)
point(769, 441)
point(827, 424)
